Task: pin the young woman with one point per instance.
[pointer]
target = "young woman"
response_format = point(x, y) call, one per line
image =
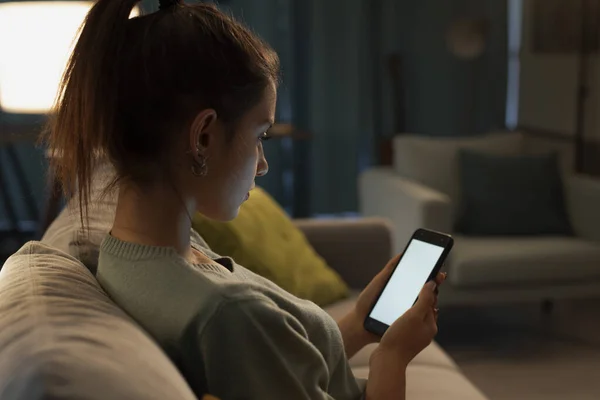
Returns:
point(180, 102)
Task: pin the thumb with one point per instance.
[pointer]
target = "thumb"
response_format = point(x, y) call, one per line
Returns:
point(387, 270)
point(392, 264)
point(394, 261)
point(426, 299)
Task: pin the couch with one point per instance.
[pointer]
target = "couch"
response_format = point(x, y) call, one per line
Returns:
point(421, 189)
point(61, 337)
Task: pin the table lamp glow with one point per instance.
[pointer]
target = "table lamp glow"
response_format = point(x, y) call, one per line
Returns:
point(36, 40)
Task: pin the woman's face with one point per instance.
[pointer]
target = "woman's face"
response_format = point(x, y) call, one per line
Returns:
point(232, 165)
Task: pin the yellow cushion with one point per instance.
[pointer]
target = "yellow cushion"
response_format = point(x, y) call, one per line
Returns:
point(264, 239)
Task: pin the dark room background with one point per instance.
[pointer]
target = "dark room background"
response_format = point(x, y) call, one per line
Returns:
point(336, 87)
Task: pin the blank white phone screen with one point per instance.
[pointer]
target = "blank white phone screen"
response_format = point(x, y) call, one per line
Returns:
point(410, 275)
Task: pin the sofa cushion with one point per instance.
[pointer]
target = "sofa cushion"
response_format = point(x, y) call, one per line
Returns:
point(477, 261)
point(432, 355)
point(65, 233)
point(433, 160)
point(432, 383)
point(61, 337)
point(511, 195)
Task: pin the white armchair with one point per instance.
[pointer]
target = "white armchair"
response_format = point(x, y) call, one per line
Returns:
point(405, 203)
point(485, 269)
point(583, 201)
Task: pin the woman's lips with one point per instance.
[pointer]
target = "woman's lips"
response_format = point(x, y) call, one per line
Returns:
point(248, 194)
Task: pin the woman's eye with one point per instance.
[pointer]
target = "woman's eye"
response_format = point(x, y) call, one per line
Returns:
point(264, 137)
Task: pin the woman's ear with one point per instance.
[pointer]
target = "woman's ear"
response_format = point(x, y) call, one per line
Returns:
point(202, 129)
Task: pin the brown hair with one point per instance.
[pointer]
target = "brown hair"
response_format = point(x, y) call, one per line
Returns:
point(131, 84)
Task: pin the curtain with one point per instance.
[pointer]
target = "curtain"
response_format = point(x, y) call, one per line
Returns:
point(323, 46)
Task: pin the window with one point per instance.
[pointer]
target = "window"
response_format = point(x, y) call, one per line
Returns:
point(515, 24)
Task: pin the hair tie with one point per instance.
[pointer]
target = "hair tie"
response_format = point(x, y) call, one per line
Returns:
point(164, 4)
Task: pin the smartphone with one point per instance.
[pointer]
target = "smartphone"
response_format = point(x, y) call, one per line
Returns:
point(421, 261)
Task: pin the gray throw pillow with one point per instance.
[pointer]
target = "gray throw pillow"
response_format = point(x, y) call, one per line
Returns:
point(511, 195)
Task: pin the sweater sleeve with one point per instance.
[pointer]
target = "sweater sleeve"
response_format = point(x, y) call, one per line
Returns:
point(251, 349)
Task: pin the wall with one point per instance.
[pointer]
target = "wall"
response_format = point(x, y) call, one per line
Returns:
point(341, 64)
point(441, 87)
point(437, 83)
point(548, 90)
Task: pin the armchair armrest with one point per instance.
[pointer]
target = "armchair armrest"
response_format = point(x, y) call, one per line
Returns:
point(356, 248)
point(583, 205)
point(408, 205)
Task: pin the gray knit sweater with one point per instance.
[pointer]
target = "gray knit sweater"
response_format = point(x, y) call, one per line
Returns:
point(232, 333)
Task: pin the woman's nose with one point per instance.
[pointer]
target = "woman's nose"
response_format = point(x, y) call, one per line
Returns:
point(263, 166)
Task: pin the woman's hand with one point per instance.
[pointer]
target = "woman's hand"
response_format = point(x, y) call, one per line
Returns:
point(353, 331)
point(369, 294)
point(403, 340)
point(413, 331)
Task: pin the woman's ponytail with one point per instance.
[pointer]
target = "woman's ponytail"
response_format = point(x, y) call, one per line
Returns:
point(86, 106)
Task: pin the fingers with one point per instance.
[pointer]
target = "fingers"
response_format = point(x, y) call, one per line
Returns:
point(440, 278)
point(426, 300)
point(393, 262)
point(389, 267)
point(431, 322)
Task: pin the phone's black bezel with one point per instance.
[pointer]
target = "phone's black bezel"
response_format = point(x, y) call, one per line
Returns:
point(425, 235)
